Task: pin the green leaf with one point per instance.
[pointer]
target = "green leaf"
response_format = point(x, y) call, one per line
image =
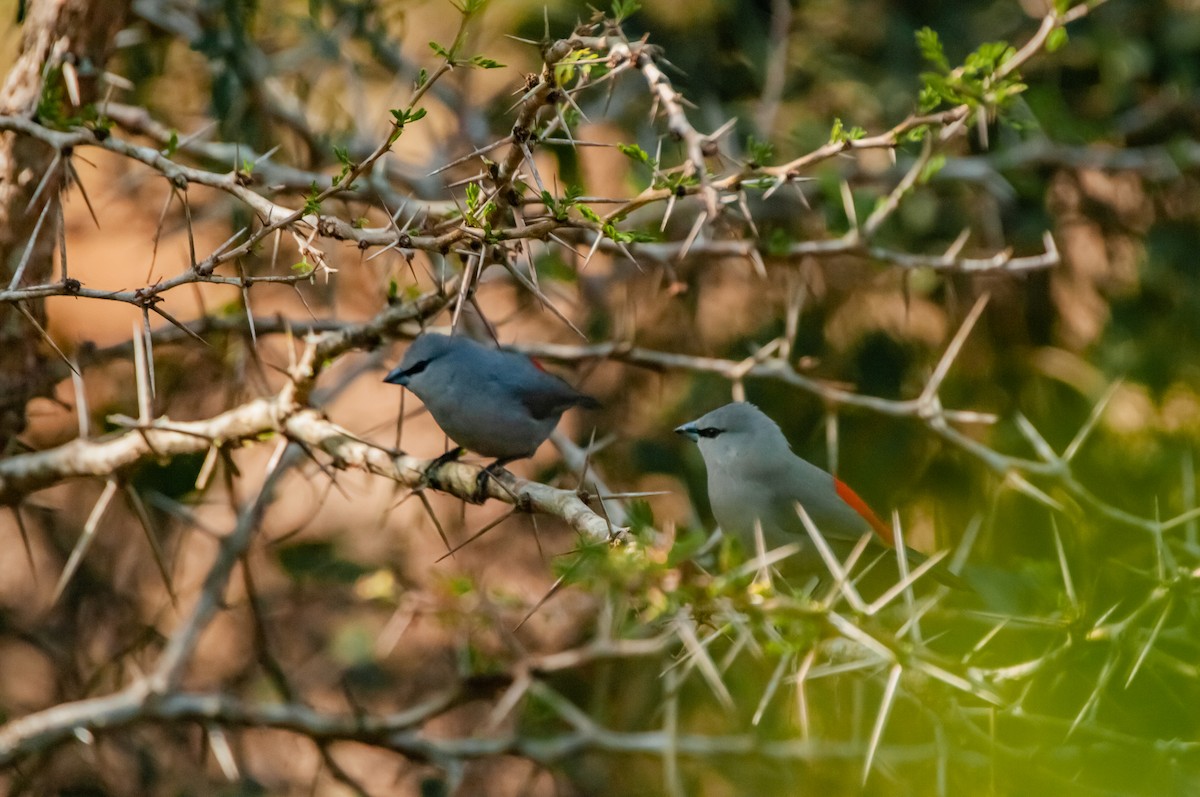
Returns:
point(623, 9)
point(484, 63)
point(931, 48)
point(312, 203)
point(1057, 38)
point(403, 117)
point(589, 214)
point(636, 153)
point(928, 99)
point(840, 133)
point(343, 156)
point(761, 152)
point(918, 133)
point(628, 237)
point(568, 67)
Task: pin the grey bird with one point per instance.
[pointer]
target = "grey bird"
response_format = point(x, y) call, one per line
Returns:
point(497, 403)
point(753, 475)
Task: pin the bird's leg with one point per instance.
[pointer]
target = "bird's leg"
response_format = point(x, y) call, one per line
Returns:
point(493, 471)
point(450, 456)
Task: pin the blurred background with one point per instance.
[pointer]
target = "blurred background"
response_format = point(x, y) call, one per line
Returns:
point(344, 591)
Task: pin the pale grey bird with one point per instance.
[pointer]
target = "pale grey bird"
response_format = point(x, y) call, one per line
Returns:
point(496, 403)
point(753, 475)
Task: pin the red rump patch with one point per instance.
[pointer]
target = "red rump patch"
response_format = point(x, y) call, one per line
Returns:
point(860, 506)
point(538, 364)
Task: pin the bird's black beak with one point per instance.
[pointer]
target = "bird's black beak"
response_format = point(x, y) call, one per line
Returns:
point(689, 431)
point(397, 376)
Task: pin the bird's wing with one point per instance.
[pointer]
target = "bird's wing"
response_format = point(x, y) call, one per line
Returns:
point(546, 395)
point(550, 396)
point(835, 509)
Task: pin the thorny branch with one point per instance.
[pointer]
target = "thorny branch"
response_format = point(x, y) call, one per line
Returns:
point(853, 636)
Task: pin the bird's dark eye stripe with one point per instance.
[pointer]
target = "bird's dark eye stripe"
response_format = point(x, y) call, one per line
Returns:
point(416, 369)
point(709, 431)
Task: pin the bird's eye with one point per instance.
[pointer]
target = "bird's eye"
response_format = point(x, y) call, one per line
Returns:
point(417, 368)
point(709, 431)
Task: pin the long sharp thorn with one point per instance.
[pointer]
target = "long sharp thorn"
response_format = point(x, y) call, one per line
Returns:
point(162, 218)
point(1035, 438)
point(686, 632)
point(140, 372)
point(905, 584)
point(148, 342)
point(46, 178)
point(772, 687)
point(249, 311)
point(1093, 418)
point(25, 541)
point(537, 538)
point(86, 538)
point(218, 742)
point(1023, 485)
point(82, 192)
point(1068, 583)
point(1105, 674)
point(187, 216)
point(429, 508)
point(951, 353)
point(42, 331)
point(550, 593)
point(693, 234)
point(835, 568)
point(1150, 640)
point(37, 228)
point(160, 559)
point(193, 334)
point(82, 413)
point(667, 213)
point(521, 278)
point(885, 708)
point(476, 535)
point(848, 205)
point(801, 679)
point(62, 240)
point(587, 459)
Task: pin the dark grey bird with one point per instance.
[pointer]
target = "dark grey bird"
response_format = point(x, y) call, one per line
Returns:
point(497, 403)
